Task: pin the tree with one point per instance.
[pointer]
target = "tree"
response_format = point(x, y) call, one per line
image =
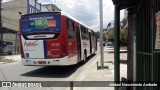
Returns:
point(124, 37)
point(109, 36)
point(98, 34)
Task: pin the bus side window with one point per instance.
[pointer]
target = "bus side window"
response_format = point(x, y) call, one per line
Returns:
point(83, 32)
point(87, 34)
point(70, 28)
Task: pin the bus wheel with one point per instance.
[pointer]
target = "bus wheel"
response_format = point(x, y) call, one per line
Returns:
point(84, 57)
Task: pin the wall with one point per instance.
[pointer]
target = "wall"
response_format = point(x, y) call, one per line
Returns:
point(49, 7)
point(11, 16)
point(10, 13)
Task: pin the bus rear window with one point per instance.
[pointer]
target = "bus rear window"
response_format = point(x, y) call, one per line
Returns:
point(41, 23)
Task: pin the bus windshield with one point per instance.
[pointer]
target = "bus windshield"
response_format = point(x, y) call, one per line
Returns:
point(41, 23)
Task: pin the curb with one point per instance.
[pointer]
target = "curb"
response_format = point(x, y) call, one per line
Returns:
point(3, 62)
point(84, 72)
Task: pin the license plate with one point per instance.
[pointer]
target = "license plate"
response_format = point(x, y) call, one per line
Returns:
point(41, 62)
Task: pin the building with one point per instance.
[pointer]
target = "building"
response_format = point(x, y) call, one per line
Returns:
point(110, 25)
point(10, 20)
point(11, 13)
point(125, 13)
point(49, 7)
point(125, 19)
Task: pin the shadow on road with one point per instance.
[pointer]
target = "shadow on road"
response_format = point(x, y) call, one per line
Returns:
point(56, 71)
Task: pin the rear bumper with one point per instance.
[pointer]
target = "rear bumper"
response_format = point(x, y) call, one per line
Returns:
point(50, 62)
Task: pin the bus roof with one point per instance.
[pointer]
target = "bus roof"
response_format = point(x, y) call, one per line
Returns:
point(62, 13)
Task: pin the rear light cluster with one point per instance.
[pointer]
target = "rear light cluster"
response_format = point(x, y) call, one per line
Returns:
point(22, 55)
point(21, 49)
point(49, 53)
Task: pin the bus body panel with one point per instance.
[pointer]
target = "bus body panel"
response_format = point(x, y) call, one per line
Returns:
point(33, 48)
point(49, 62)
point(72, 44)
point(57, 48)
point(57, 51)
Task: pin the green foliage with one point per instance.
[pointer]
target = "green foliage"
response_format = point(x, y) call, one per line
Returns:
point(98, 34)
point(109, 36)
point(104, 39)
point(124, 37)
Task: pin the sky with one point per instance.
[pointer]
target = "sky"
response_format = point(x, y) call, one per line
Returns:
point(86, 11)
point(6, 0)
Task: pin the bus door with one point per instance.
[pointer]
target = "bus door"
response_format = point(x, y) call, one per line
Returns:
point(78, 43)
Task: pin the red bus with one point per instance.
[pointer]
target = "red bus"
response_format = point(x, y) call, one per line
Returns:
point(54, 38)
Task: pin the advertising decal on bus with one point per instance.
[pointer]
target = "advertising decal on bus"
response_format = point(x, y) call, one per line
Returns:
point(41, 23)
point(36, 29)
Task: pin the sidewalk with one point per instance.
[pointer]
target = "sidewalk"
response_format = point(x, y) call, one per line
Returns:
point(9, 58)
point(109, 54)
point(111, 49)
point(92, 74)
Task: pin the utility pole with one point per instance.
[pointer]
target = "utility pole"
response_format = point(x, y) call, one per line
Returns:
point(1, 33)
point(1, 24)
point(101, 32)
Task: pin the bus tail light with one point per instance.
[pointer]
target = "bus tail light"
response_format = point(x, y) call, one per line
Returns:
point(22, 54)
point(49, 53)
point(21, 49)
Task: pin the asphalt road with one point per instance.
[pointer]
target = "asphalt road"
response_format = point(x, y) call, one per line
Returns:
point(17, 72)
